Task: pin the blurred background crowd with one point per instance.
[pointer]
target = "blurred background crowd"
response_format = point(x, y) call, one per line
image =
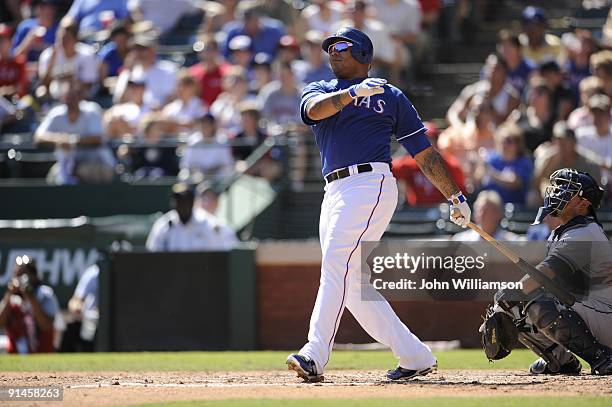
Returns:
point(102, 83)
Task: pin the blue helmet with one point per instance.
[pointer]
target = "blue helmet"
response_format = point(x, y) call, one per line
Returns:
point(362, 49)
point(565, 184)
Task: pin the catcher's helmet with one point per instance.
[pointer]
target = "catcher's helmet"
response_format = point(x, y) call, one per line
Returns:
point(362, 49)
point(565, 184)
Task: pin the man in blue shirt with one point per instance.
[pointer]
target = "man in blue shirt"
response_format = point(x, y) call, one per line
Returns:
point(353, 118)
point(95, 15)
point(265, 33)
point(33, 35)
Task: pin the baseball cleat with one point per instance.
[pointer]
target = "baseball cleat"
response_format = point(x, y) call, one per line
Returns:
point(304, 367)
point(603, 368)
point(540, 366)
point(399, 373)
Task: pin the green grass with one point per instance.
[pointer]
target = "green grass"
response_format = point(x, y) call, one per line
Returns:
point(577, 401)
point(240, 361)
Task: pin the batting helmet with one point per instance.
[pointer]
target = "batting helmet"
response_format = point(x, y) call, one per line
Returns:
point(565, 184)
point(362, 49)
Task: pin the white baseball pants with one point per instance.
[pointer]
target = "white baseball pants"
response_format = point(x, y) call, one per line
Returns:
point(357, 209)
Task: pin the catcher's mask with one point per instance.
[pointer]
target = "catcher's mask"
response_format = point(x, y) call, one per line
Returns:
point(565, 184)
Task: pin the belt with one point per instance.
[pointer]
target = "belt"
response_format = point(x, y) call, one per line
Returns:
point(345, 172)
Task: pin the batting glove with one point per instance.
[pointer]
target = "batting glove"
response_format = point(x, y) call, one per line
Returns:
point(460, 212)
point(368, 87)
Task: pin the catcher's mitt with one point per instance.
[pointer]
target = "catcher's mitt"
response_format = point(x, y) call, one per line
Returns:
point(499, 334)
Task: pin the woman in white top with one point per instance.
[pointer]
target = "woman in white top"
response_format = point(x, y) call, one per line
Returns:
point(321, 15)
point(183, 112)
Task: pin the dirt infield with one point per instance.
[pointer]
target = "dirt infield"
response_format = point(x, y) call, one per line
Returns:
point(110, 388)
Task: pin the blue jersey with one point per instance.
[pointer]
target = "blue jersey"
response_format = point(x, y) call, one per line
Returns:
point(361, 132)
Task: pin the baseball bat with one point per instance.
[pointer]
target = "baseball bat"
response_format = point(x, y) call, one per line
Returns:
point(555, 289)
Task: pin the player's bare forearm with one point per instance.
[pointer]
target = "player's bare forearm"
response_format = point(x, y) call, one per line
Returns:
point(434, 167)
point(324, 106)
point(530, 284)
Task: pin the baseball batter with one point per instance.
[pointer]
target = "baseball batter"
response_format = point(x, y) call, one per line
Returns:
point(353, 118)
point(580, 257)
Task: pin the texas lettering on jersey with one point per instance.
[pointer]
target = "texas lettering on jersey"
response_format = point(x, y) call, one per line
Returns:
point(377, 105)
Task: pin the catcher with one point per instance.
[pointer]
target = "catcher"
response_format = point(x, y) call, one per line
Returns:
point(579, 258)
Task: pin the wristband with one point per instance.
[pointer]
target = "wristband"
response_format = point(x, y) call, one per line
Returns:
point(456, 199)
point(351, 92)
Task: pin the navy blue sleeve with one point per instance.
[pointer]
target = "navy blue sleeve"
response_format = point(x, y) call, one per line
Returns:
point(409, 129)
point(311, 90)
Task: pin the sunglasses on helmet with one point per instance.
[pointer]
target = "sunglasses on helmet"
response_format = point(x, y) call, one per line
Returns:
point(339, 46)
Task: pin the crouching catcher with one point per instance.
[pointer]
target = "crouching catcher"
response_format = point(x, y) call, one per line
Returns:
point(579, 258)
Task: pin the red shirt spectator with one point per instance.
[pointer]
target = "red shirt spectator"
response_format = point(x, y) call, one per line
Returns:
point(210, 70)
point(13, 77)
point(419, 190)
point(210, 81)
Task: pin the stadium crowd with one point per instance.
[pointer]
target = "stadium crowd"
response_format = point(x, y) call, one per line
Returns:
point(95, 81)
point(542, 103)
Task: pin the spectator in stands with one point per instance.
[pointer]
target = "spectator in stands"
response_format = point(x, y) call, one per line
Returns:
point(280, 99)
point(601, 66)
point(28, 310)
point(210, 70)
point(67, 60)
point(179, 230)
point(235, 90)
point(113, 53)
point(384, 62)
point(492, 90)
point(145, 158)
point(249, 139)
point(83, 308)
point(288, 49)
point(75, 129)
point(264, 32)
point(562, 96)
point(217, 15)
point(34, 35)
point(321, 15)
point(519, 68)
point(184, 112)
point(596, 139)
point(535, 119)
point(262, 72)
point(315, 66)
point(205, 154)
point(562, 154)
point(578, 48)
point(96, 15)
point(205, 209)
point(160, 76)
point(582, 116)
point(122, 119)
point(13, 77)
point(403, 21)
point(240, 52)
point(163, 14)
point(251, 134)
point(538, 45)
point(488, 212)
point(508, 170)
point(473, 138)
point(285, 12)
point(418, 190)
